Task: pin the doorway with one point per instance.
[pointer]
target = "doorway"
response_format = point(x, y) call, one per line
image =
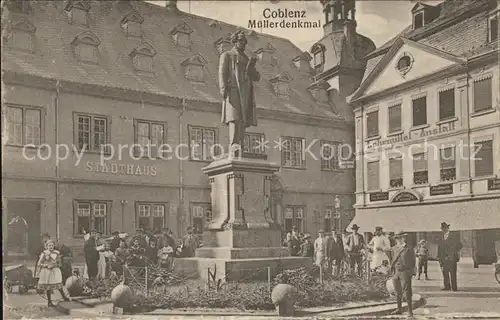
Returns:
point(23, 227)
point(484, 247)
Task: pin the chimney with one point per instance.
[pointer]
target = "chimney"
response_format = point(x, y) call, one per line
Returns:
point(171, 5)
point(350, 30)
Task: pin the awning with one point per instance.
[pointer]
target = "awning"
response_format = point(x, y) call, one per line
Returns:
point(461, 215)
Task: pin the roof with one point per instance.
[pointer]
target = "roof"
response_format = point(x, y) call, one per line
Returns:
point(53, 56)
point(448, 11)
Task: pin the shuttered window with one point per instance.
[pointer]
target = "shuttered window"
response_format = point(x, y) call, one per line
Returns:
point(373, 175)
point(395, 118)
point(420, 171)
point(396, 172)
point(447, 164)
point(483, 95)
point(483, 159)
point(372, 124)
point(419, 111)
point(493, 29)
point(447, 104)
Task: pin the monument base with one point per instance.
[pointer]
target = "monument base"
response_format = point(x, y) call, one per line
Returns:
point(238, 269)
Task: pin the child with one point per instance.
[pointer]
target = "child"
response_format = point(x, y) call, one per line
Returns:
point(166, 258)
point(383, 269)
point(422, 255)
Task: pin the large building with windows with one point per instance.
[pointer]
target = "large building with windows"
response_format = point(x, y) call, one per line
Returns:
point(428, 128)
point(108, 78)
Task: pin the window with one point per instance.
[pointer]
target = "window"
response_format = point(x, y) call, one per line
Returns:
point(483, 160)
point(420, 171)
point(446, 104)
point(133, 28)
point(86, 52)
point(150, 215)
point(493, 28)
point(149, 137)
point(202, 143)
point(294, 217)
point(447, 164)
point(394, 118)
point(396, 172)
point(201, 214)
point(418, 20)
point(91, 132)
point(419, 111)
point(372, 124)
point(78, 17)
point(253, 143)
point(143, 63)
point(291, 153)
point(372, 171)
point(22, 40)
point(86, 47)
point(92, 215)
point(194, 73)
point(318, 59)
point(182, 39)
point(282, 88)
point(483, 95)
point(23, 126)
point(329, 155)
point(331, 219)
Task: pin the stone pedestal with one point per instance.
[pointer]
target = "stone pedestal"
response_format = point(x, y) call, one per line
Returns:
point(242, 237)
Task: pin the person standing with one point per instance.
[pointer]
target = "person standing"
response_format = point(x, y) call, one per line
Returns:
point(448, 255)
point(402, 268)
point(152, 252)
point(190, 243)
point(45, 238)
point(293, 244)
point(321, 249)
point(336, 252)
point(50, 273)
point(115, 241)
point(307, 248)
point(91, 255)
point(165, 239)
point(354, 245)
point(66, 260)
point(422, 257)
point(380, 245)
point(121, 255)
point(139, 235)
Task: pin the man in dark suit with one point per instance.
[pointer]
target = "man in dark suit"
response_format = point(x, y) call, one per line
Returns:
point(115, 242)
point(354, 244)
point(91, 255)
point(335, 251)
point(402, 267)
point(449, 254)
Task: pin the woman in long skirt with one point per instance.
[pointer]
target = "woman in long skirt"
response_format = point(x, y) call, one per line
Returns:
point(50, 277)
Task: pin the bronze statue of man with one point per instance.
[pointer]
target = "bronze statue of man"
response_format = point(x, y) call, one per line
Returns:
point(236, 76)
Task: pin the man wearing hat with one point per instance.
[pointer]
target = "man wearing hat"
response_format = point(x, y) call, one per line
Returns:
point(335, 251)
point(402, 267)
point(139, 235)
point(449, 254)
point(294, 243)
point(307, 248)
point(115, 241)
point(91, 255)
point(354, 244)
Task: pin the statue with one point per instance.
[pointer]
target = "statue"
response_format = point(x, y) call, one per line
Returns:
point(236, 76)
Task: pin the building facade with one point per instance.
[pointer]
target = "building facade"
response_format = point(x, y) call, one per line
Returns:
point(90, 86)
point(428, 128)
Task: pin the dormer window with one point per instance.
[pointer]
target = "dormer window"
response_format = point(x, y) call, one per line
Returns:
point(404, 64)
point(20, 6)
point(142, 56)
point(223, 45)
point(302, 62)
point(194, 68)
point(265, 55)
point(23, 32)
point(281, 84)
point(77, 12)
point(131, 24)
point(319, 91)
point(182, 35)
point(418, 20)
point(318, 53)
point(86, 47)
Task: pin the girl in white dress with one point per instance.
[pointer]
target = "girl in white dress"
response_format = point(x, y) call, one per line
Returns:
point(380, 245)
point(320, 248)
point(50, 276)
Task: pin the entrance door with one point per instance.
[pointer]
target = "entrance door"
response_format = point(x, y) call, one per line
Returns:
point(23, 227)
point(484, 246)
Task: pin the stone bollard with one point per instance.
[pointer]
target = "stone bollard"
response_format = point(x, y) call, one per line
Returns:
point(283, 297)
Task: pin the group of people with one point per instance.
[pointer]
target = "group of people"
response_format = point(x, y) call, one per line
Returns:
point(142, 249)
point(390, 254)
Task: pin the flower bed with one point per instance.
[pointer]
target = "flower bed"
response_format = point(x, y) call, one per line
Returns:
point(245, 296)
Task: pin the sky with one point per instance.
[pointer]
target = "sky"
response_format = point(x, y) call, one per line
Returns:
point(379, 20)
